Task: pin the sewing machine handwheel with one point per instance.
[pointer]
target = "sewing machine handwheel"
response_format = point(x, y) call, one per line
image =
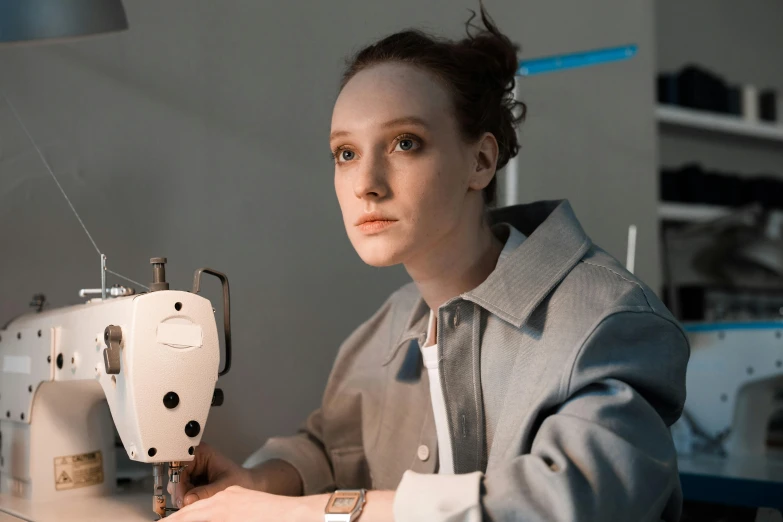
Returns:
point(217, 397)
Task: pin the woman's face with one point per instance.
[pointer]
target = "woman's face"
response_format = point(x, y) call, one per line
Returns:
point(402, 164)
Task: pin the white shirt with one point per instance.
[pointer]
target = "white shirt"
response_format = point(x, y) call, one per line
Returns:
point(430, 356)
point(429, 353)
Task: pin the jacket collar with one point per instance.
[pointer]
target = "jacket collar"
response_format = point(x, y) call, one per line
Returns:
point(554, 245)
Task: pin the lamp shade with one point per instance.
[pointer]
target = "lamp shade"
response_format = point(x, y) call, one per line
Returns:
point(28, 20)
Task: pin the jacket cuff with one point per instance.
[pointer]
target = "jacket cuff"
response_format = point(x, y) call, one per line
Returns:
point(303, 455)
point(438, 498)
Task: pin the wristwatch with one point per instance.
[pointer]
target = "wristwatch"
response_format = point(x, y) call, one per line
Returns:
point(345, 505)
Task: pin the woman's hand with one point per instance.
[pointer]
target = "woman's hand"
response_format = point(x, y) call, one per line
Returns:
point(238, 504)
point(209, 473)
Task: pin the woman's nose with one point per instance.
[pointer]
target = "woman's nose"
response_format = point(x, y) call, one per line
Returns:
point(371, 180)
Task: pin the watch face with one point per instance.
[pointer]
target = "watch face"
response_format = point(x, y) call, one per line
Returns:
point(342, 503)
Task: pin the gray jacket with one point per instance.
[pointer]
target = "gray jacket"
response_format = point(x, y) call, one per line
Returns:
point(561, 374)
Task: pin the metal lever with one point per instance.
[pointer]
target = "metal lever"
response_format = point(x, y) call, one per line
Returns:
point(226, 311)
point(115, 291)
point(112, 336)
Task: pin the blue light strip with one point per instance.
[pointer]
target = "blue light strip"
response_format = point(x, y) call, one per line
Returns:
point(573, 60)
point(723, 327)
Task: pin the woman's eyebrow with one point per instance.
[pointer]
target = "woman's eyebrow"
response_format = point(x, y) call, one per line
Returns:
point(405, 120)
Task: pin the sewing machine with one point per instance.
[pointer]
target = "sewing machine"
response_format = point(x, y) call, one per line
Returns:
point(734, 383)
point(145, 364)
point(734, 374)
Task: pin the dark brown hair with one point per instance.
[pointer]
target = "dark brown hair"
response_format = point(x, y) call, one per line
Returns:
point(478, 71)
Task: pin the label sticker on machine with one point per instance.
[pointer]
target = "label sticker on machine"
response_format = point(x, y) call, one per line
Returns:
point(78, 471)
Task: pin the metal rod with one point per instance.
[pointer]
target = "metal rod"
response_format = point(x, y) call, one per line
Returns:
point(103, 277)
point(630, 259)
point(49, 168)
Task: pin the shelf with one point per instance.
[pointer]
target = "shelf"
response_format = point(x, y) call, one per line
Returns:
point(670, 211)
point(724, 124)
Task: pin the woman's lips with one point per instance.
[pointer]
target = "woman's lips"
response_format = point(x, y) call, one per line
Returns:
point(373, 227)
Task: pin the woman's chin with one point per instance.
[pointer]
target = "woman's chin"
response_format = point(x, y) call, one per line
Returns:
point(378, 257)
point(379, 261)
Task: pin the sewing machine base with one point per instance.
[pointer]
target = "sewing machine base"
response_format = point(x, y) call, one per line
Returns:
point(131, 504)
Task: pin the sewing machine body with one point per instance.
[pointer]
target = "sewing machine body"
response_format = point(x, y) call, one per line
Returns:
point(734, 374)
point(58, 404)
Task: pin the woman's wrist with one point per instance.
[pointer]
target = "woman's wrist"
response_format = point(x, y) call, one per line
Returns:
point(378, 507)
point(312, 508)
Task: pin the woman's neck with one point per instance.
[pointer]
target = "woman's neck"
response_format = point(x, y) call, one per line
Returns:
point(457, 264)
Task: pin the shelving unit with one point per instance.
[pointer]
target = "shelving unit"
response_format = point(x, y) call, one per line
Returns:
point(726, 125)
point(690, 212)
point(719, 123)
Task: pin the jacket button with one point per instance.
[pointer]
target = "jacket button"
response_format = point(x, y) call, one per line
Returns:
point(423, 452)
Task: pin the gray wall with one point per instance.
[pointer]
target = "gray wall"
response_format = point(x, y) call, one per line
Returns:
point(741, 41)
point(591, 134)
point(201, 135)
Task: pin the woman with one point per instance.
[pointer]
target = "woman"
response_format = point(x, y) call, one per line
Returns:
point(523, 375)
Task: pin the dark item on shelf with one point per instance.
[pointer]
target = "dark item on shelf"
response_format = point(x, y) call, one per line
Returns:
point(698, 88)
point(766, 190)
point(667, 89)
point(669, 185)
point(730, 190)
point(768, 105)
point(692, 184)
point(684, 185)
point(734, 101)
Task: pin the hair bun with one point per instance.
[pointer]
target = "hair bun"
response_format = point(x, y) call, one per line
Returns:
point(499, 53)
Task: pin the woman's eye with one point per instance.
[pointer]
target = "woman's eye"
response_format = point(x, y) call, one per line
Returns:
point(406, 144)
point(347, 155)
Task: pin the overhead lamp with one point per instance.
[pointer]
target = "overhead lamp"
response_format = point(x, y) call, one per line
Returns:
point(38, 20)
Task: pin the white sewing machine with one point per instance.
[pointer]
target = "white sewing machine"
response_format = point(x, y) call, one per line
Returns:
point(734, 383)
point(147, 362)
point(734, 374)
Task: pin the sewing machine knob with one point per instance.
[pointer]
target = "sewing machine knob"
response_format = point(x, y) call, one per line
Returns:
point(171, 400)
point(112, 336)
point(158, 274)
point(192, 428)
point(217, 397)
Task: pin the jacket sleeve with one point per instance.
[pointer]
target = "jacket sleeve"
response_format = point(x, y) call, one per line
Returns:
point(305, 451)
point(604, 453)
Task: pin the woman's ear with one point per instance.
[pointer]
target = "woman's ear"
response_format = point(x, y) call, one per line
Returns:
point(486, 160)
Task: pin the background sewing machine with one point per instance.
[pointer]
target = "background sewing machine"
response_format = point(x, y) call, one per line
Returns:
point(148, 362)
point(734, 383)
point(725, 436)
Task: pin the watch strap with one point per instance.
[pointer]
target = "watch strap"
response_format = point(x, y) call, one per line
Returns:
point(335, 517)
